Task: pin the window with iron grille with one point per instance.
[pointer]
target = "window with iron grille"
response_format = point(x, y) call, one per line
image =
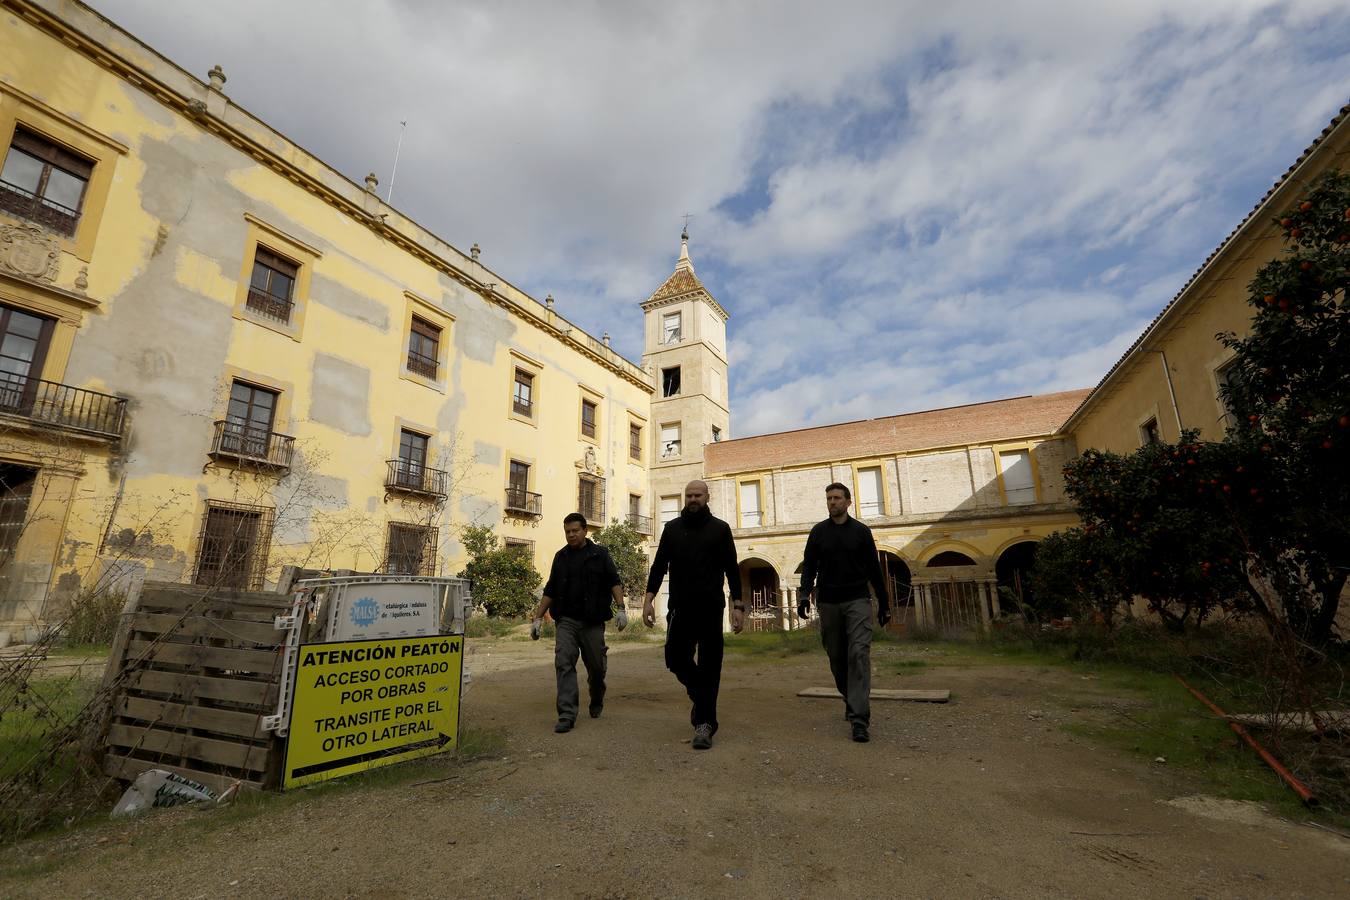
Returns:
point(16, 489)
point(44, 182)
point(424, 341)
point(410, 549)
point(635, 442)
point(523, 547)
point(248, 420)
point(233, 544)
point(271, 290)
point(591, 499)
point(670, 381)
point(588, 413)
point(522, 398)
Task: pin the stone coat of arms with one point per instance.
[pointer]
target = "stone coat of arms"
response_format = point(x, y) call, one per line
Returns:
point(30, 252)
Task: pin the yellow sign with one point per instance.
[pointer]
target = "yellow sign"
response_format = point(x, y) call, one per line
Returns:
point(364, 704)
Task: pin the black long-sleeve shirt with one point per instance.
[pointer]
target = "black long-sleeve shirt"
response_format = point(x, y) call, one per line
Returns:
point(699, 552)
point(841, 560)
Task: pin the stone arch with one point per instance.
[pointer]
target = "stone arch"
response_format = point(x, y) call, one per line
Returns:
point(961, 547)
point(762, 590)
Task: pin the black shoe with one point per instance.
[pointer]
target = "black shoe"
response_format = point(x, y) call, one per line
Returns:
point(860, 732)
point(562, 727)
point(596, 710)
point(703, 737)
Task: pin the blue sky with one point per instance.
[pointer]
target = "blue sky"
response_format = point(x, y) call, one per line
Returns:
point(902, 205)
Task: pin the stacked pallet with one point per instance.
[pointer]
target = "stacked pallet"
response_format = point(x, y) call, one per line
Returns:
point(192, 674)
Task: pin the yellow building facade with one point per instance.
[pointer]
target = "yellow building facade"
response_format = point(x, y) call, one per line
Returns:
point(221, 356)
point(956, 500)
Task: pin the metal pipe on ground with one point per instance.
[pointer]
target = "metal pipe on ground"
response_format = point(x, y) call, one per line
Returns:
point(1304, 793)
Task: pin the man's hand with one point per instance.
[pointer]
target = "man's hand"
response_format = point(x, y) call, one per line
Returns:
point(622, 618)
point(737, 620)
point(804, 605)
point(883, 615)
point(648, 610)
point(534, 629)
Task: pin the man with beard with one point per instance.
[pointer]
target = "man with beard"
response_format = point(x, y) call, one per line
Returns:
point(582, 584)
point(699, 552)
point(840, 562)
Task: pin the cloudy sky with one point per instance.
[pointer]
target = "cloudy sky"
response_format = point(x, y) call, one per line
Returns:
point(903, 205)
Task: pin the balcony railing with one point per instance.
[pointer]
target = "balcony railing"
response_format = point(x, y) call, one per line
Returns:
point(49, 214)
point(252, 446)
point(411, 477)
point(522, 502)
point(269, 305)
point(61, 405)
point(422, 365)
point(641, 524)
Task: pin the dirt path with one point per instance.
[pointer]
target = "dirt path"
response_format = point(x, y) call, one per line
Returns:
point(976, 798)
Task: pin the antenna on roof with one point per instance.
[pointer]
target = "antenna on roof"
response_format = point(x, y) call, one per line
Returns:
point(402, 127)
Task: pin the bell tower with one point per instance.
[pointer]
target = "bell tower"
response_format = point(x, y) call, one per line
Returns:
point(685, 351)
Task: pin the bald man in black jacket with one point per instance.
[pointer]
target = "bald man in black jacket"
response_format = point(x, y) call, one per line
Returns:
point(698, 550)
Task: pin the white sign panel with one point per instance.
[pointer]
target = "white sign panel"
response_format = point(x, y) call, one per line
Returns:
point(368, 611)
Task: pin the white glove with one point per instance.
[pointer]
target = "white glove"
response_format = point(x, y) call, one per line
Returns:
point(534, 629)
point(623, 618)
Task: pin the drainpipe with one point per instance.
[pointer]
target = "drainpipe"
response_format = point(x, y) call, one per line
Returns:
point(1167, 373)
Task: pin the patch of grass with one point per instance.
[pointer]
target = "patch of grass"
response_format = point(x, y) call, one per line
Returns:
point(36, 715)
point(909, 666)
point(480, 625)
point(768, 645)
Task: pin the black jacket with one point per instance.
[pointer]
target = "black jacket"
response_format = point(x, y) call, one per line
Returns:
point(841, 561)
point(598, 577)
point(699, 552)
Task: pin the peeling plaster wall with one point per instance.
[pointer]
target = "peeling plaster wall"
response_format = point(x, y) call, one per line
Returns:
point(169, 334)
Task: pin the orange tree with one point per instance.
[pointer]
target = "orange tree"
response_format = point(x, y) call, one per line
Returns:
point(1289, 393)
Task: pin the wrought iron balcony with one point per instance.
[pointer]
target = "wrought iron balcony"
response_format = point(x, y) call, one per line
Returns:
point(420, 364)
point(62, 406)
point(252, 446)
point(641, 524)
point(411, 477)
point(526, 503)
point(269, 305)
point(48, 213)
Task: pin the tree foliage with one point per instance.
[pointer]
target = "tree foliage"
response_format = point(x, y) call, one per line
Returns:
point(1259, 521)
point(504, 578)
point(624, 544)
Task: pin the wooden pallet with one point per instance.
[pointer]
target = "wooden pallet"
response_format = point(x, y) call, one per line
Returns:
point(192, 673)
point(933, 696)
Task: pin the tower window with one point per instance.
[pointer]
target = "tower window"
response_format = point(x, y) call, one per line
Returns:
point(671, 330)
point(670, 381)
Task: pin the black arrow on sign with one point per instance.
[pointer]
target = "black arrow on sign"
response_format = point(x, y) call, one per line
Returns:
point(438, 742)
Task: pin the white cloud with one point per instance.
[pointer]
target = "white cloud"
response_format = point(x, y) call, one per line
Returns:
point(936, 202)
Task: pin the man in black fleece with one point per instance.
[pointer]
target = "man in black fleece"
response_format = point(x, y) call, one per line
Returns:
point(841, 558)
point(698, 550)
point(582, 585)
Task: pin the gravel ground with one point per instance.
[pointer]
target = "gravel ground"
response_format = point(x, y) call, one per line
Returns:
point(983, 797)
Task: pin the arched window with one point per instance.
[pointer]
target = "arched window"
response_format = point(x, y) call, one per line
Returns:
point(950, 558)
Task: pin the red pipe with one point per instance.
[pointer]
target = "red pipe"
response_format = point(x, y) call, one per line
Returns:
point(1299, 787)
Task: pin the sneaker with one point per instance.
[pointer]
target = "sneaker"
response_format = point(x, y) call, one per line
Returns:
point(562, 727)
point(596, 710)
point(703, 737)
point(860, 732)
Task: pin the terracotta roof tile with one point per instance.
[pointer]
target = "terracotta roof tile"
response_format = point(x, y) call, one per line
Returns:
point(977, 423)
point(681, 281)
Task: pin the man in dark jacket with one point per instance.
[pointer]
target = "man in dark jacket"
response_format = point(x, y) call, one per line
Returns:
point(699, 552)
point(582, 583)
point(842, 557)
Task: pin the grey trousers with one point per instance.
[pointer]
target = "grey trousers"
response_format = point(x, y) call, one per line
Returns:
point(575, 636)
point(846, 632)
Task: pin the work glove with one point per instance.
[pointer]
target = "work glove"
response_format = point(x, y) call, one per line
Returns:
point(803, 606)
point(883, 615)
point(622, 618)
point(534, 629)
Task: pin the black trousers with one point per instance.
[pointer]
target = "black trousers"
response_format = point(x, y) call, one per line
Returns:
point(694, 654)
